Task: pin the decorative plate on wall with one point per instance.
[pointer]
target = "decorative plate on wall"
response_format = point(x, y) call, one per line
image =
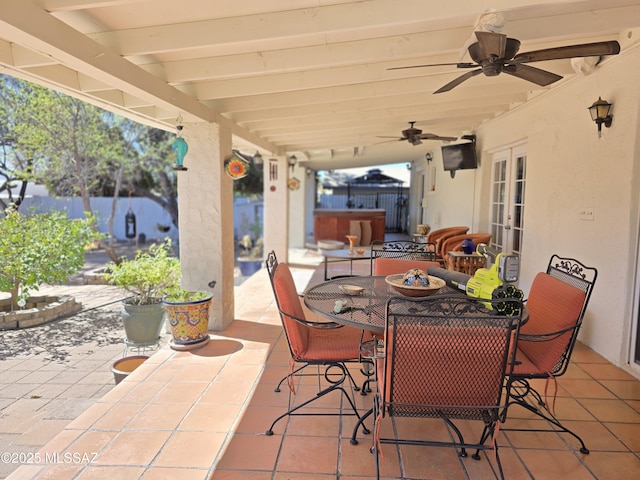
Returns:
point(293, 183)
point(236, 167)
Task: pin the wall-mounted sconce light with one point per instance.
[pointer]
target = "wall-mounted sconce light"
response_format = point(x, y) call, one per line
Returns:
point(257, 159)
point(409, 166)
point(428, 156)
point(600, 114)
point(309, 172)
point(179, 146)
point(292, 162)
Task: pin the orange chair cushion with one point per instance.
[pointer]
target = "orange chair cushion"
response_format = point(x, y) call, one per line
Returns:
point(290, 306)
point(553, 305)
point(335, 345)
point(312, 344)
point(392, 266)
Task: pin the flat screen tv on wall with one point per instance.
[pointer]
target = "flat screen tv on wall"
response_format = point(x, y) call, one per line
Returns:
point(460, 156)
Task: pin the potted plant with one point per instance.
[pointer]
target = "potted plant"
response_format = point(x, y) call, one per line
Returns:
point(148, 276)
point(251, 259)
point(188, 315)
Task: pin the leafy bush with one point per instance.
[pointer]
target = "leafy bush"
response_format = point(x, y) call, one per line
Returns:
point(149, 275)
point(180, 295)
point(40, 248)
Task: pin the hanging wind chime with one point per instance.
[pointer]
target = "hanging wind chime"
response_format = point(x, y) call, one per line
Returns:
point(130, 222)
point(179, 146)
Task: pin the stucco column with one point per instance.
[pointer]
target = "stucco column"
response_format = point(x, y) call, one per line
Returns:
point(297, 208)
point(276, 208)
point(205, 205)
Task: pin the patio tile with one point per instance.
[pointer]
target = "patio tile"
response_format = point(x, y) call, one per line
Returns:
point(133, 448)
point(295, 454)
point(41, 432)
point(56, 472)
point(88, 442)
point(180, 392)
point(611, 410)
point(158, 417)
point(605, 371)
point(264, 452)
point(624, 389)
point(111, 473)
point(170, 473)
point(220, 474)
point(627, 433)
point(213, 418)
point(581, 388)
point(613, 466)
point(554, 464)
point(227, 393)
point(190, 449)
point(117, 416)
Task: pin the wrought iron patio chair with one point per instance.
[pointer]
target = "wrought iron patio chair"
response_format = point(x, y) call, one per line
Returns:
point(390, 266)
point(445, 357)
point(383, 266)
point(557, 303)
point(325, 345)
point(402, 249)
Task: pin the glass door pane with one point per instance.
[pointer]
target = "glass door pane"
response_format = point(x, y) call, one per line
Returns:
point(508, 199)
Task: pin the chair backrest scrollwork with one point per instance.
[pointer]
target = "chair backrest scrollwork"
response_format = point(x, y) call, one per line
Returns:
point(402, 249)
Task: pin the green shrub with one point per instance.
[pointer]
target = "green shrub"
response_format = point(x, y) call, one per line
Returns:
point(40, 248)
point(180, 295)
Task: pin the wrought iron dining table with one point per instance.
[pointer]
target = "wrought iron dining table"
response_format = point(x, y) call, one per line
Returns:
point(365, 310)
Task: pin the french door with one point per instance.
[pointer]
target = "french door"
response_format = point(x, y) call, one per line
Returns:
point(509, 175)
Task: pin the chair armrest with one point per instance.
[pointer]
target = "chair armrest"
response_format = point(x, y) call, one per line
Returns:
point(319, 325)
point(547, 336)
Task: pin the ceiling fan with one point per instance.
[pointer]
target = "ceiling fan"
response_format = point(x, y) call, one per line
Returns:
point(495, 53)
point(415, 136)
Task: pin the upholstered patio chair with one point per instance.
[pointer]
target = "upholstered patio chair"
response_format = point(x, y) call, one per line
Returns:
point(402, 249)
point(454, 244)
point(557, 303)
point(440, 235)
point(445, 357)
point(328, 346)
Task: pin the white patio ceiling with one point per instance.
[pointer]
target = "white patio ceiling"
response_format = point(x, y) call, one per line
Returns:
point(308, 77)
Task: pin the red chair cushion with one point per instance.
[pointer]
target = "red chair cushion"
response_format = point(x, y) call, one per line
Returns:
point(392, 266)
point(290, 306)
point(307, 343)
point(553, 305)
point(336, 345)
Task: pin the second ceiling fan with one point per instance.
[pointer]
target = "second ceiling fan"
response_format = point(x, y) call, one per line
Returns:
point(415, 136)
point(495, 53)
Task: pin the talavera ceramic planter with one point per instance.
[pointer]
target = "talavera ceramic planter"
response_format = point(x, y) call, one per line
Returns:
point(189, 322)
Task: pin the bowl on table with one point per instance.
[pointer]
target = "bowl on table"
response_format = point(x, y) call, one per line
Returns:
point(397, 282)
point(330, 244)
point(351, 289)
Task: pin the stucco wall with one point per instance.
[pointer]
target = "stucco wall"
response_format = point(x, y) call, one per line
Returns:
point(452, 203)
point(568, 168)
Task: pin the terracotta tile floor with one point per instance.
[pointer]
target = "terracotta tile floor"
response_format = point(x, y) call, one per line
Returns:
point(203, 415)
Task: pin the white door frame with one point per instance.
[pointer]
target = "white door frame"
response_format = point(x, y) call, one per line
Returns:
point(507, 197)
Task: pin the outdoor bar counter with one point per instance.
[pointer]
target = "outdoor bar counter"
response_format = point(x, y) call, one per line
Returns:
point(335, 224)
